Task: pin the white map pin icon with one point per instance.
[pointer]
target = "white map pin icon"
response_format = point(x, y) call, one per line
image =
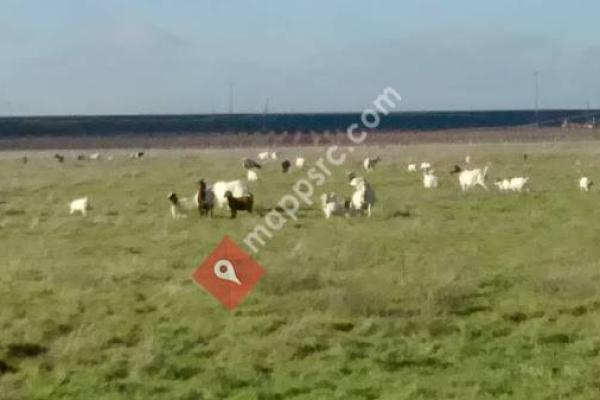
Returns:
point(224, 270)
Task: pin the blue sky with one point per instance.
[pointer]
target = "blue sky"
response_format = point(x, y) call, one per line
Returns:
point(179, 56)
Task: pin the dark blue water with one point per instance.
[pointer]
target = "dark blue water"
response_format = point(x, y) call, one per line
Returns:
point(11, 127)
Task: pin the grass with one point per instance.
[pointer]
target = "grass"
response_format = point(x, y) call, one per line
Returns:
point(439, 295)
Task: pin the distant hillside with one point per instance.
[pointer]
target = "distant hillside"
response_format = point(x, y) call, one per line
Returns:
point(14, 127)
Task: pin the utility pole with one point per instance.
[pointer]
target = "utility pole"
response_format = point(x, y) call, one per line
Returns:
point(537, 98)
point(230, 98)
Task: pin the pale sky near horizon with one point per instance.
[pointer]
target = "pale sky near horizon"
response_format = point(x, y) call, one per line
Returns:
point(179, 56)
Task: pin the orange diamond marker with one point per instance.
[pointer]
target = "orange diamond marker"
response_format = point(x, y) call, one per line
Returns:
point(228, 273)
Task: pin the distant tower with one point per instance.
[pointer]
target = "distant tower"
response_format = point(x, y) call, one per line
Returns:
point(230, 98)
point(537, 98)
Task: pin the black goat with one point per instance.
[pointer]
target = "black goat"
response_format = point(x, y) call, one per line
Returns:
point(239, 203)
point(205, 199)
point(285, 166)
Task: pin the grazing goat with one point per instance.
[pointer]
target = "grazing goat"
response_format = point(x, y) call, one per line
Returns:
point(205, 198)
point(81, 205)
point(263, 155)
point(370, 163)
point(412, 168)
point(285, 166)
point(236, 204)
point(517, 183)
point(60, 158)
point(363, 197)
point(331, 205)
point(585, 184)
point(95, 156)
point(237, 188)
point(430, 181)
point(299, 162)
point(81, 157)
point(251, 164)
point(425, 166)
point(470, 177)
point(251, 175)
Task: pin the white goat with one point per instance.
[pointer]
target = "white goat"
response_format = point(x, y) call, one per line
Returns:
point(517, 183)
point(237, 189)
point(585, 184)
point(430, 181)
point(274, 155)
point(263, 155)
point(425, 165)
point(299, 162)
point(467, 159)
point(251, 175)
point(333, 206)
point(412, 168)
point(95, 156)
point(363, 197)
point(471, 177)
point(81, 205)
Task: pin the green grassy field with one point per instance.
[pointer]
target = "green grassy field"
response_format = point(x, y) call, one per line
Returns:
point(438, 295)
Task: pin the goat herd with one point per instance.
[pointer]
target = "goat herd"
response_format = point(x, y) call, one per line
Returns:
point(236, 196)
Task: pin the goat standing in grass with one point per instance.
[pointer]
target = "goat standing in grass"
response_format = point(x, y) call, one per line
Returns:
point(205, 199)
point(237, 188)
point(585, 184)
point(236, 204)
point(180, 207)
point(331, 205)
point(412, 168)
point(430, 181)
point(471, 177)
point(81, 205)
point(515, 184)
point(363, 197)
point(518, 183)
